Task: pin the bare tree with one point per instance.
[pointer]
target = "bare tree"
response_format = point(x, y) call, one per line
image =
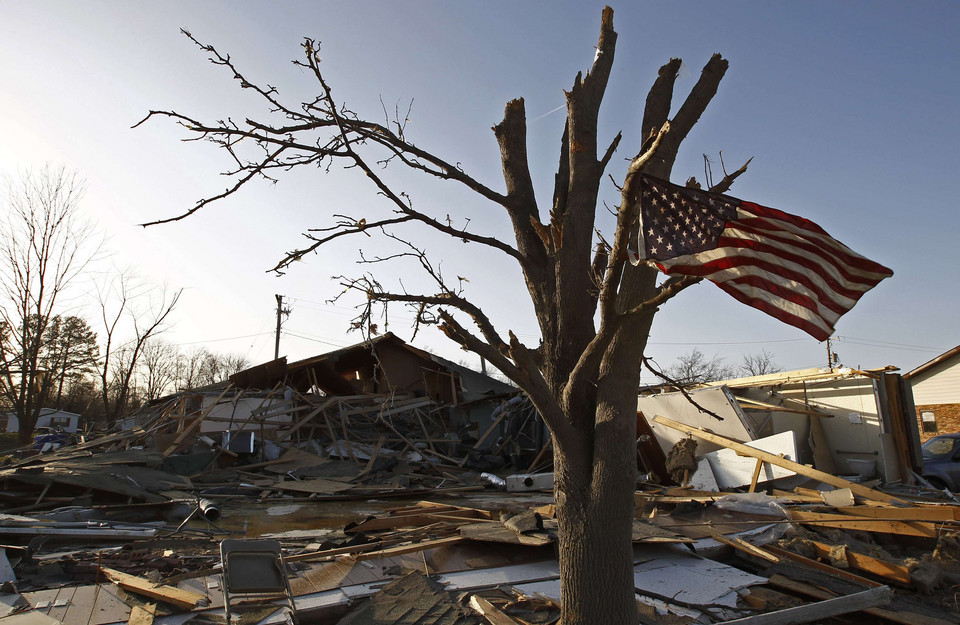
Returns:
point(44, 245)
point(123, 297)
point(593, 306)
point(762, 363)
point(158, 364)
point(189, 367)
point(218, 367)
point(695, 368)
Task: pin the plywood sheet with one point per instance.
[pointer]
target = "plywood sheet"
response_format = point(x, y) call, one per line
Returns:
point(732, 470)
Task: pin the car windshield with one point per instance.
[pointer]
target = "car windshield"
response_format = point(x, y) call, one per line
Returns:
point(939, 446)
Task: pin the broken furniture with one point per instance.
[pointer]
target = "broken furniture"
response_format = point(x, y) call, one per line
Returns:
point(254, 569)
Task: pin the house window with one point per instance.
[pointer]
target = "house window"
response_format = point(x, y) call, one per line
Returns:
point(929, 421)
point(59, 422)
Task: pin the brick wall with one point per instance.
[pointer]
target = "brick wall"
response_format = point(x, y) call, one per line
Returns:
point(948, 419)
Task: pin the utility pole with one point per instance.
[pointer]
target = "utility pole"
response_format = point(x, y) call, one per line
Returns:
point(281, 311)
point(831, 357)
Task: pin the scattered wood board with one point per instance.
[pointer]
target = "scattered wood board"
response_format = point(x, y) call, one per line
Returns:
point(312, 485)
point(867, 524)
point(818, 611)
point(897, 616)
point(868, 564)
point(497, 533)
point(183, 599)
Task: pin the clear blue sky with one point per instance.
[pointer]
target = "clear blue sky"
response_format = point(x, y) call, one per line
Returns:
point(850, 111)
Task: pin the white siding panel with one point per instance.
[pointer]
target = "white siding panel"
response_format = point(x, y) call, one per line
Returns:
point(939, 385)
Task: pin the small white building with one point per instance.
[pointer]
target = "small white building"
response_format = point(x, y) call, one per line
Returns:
point(49, 418)
point(842, 419)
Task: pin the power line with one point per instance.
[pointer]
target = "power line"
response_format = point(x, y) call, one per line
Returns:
point(727, 342)
point(316, 340)
point(900, 345)
point(231, 338)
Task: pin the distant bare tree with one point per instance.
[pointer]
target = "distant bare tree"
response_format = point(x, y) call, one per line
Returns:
point(695, 368)
point(759, 364)
point(44, 245)
point(189, 368)
point(158, 365)
point(121, 297)
point(218, 367)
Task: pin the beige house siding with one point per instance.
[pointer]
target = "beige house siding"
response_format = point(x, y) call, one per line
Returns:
point(938, 385)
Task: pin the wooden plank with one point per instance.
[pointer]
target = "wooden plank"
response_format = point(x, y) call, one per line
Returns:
point(867, 524)
point(183, 599)
point(490, 612)
point(410, 520)
point(299, 424)
point(868, 564)
point(420, 546)
point(756, 476)
point(745, 450)
point(897, 616)
point(313, 485)
point(373, 456)
point(824, 568)
point(741, 545)
point(766, 599)
point(929, 514)
point(822, 610)
point(497, 533)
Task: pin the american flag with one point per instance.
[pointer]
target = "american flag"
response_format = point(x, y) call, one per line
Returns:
point(785, 265)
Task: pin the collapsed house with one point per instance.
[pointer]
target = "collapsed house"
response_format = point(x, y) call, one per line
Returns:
point(859, 424)
point(378, 394)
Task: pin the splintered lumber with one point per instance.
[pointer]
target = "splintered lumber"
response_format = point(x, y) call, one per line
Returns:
point(766, 599)
point(373, 457)
point(928, 514)
point(820, 566)
point(402, 549)
point(183, 599)
point(410, 520)
point(490, 612)
point(897, 616)
point(299, 424)
point(866, 524)
point(867, 564)
point(796, 467)
point(817, 611)
point(187, 431)
point(741, 545)
point(497, 533)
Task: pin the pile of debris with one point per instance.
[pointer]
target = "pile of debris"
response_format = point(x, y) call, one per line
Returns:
point(413, 509)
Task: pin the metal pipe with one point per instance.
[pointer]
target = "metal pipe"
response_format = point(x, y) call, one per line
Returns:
point(210, 510)
point(496, 480)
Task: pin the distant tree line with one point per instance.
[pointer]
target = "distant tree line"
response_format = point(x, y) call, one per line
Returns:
point(51, 355)
point(695, 367)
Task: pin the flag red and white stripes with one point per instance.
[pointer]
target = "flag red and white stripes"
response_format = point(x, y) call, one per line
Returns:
point(784, 265)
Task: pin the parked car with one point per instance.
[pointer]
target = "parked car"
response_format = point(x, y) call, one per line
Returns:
point(941, 461)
